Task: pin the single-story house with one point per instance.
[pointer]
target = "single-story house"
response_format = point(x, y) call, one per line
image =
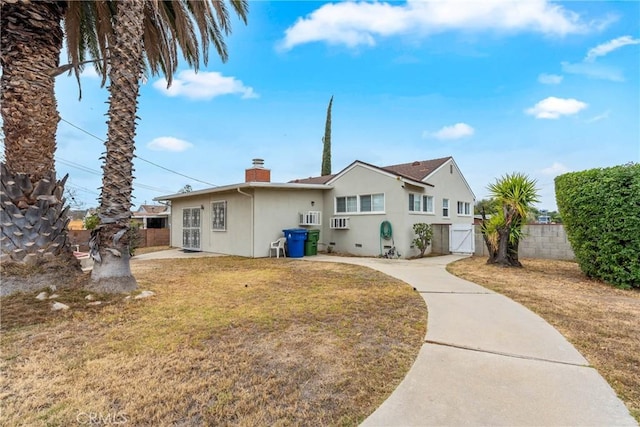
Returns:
point(349, 208)
point(151, 216)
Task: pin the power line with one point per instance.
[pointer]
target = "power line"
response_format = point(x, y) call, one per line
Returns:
point(138, 157)
point(78, 187)
point(95, 172)
point(77, 166)
point(177, 173)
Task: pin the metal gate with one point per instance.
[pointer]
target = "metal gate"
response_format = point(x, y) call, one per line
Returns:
point(462, 239)
point(191, 229)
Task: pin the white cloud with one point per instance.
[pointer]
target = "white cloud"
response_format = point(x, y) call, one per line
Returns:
point(169, 143)
point(360, 23)
point(594, 71)
point(90, 72)
point(599, 117)
point(459, 130)
point(550, 79)
point(605, 48)
point(555, 169)
point(204, 85)
point(553, 108)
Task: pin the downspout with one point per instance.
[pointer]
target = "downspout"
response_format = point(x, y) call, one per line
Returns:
point(252, 219)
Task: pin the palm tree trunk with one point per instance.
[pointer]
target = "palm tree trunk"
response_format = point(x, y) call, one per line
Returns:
point(31, 41)
point(110, 240)
point(32, 212)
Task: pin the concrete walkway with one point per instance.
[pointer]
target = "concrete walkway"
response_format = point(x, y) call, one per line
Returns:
point(486, 360)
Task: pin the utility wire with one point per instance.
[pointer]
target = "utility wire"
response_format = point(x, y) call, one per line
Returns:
point(138, 157)
point(177, 173)
point(95, 172)
point(81, 188)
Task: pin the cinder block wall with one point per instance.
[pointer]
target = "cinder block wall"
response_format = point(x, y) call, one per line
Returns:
point(547, 241)
point(440, 239)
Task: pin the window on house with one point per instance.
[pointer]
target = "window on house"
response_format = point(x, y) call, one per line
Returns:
point(347, 204)
point(427, 204)
point(363, 203)
point(464, 208)
point(445, 207)
point(418, 203)
point(372, 203)
point(414, 202)
point(219, 216)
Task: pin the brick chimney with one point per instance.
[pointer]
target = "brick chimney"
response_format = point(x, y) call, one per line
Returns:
point(257, 172)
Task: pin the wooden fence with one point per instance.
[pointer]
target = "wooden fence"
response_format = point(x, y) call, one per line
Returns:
point(148, 237)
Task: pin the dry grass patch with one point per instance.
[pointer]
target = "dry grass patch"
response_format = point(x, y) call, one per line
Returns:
point(225, 341)
point(149, 249)
point(602, 322)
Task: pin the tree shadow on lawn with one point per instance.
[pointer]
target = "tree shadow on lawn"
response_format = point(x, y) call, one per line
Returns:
point(223, 341)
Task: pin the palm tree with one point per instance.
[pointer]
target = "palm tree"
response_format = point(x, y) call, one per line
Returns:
point(515, 194)
point(110, 240)
point(32, 209)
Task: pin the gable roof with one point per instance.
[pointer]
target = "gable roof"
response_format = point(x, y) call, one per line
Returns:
point(418, 170)
point(415, 171)
point(152, 209)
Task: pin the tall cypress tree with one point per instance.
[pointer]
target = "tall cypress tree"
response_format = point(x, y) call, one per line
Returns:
point(326, 140)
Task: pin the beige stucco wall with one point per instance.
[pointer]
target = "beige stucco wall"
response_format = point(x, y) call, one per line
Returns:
point(449, 183)
point(277, 210)
point(235, 240)
point(363, 236)
point(254, 219)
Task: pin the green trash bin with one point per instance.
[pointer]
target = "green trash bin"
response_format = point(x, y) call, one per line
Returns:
point(311, 244)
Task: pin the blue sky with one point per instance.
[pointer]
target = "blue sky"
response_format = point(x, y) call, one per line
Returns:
point(502, 86)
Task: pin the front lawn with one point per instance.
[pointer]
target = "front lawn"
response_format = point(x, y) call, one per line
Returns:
point(224, 341)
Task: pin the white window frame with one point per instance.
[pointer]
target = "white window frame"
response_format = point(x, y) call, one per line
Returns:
point(445, 208)
point(420, 202)
point(346, 204)
point(424, 204)
point(214, 205)
point(464, 209)
point(373, 203)
point(415, 202)
point(381, 199)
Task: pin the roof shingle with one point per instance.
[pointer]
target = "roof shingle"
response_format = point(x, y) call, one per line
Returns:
point(417, 171)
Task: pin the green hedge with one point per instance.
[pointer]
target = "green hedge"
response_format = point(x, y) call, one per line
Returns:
point(600, 209)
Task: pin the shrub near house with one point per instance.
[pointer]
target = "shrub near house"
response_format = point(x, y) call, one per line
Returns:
point(600, 209)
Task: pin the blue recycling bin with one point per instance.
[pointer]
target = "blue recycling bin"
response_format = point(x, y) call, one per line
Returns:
point(295, 241)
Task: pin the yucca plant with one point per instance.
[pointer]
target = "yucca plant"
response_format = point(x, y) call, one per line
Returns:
point(516, 193)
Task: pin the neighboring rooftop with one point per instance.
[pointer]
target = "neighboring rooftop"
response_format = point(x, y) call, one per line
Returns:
point(151, 210)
